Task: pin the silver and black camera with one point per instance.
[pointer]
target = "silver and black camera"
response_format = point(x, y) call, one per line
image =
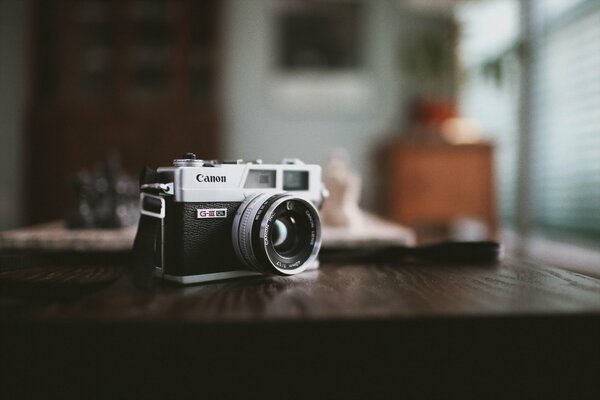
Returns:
point(231, 219)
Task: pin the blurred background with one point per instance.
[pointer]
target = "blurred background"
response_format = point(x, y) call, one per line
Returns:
point(465, 118)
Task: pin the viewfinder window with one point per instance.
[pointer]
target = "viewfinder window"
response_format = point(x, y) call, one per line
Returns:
point(260, 179)
point(295, 180)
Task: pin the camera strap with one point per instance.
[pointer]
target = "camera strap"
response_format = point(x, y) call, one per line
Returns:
point(442, 252)
point(152, 203)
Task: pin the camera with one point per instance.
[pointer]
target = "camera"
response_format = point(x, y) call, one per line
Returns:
point(231, 219)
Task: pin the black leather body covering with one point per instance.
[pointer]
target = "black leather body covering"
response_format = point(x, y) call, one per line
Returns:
point(199, 245)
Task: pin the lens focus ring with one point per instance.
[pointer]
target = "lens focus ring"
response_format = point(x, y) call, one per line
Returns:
point(244, 237)
point(256, 228)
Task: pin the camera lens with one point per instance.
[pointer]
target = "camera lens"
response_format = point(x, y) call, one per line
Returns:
point(279, 234)
point(288, 236)
point(276, 233)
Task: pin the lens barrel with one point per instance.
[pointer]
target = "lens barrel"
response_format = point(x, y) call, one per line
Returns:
point(276, 233)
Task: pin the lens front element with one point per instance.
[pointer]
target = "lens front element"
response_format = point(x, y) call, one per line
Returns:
point(276, 233)
point(279, 235)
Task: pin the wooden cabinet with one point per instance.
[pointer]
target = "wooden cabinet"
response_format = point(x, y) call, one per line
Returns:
point(432, 185)
point(139, 77)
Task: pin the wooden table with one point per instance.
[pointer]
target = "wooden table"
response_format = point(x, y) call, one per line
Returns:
point(345, 331)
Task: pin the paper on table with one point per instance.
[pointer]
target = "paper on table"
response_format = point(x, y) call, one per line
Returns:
point(55, 237)
point(374, 231)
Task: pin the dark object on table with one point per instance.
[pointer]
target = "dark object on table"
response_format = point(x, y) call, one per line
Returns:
point(448, 252)
point(106, 198)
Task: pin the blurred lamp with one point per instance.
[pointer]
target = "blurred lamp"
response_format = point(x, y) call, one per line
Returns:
point(461, 131)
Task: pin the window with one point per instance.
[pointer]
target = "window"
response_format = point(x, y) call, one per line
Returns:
point(564, 160)
point(566, 119)
point(492, 99)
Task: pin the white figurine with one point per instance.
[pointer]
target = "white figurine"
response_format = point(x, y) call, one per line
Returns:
point(344, 185)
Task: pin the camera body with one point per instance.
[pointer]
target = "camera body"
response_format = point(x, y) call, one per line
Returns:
point(233, 219)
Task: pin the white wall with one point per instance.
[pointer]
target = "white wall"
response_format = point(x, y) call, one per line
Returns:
point(267, 119)
point(12, 99)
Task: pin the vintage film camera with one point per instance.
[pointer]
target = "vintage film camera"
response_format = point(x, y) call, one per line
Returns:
point(225, 220)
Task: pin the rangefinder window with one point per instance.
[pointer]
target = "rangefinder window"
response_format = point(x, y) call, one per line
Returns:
point(260, 179)
point(295, 180)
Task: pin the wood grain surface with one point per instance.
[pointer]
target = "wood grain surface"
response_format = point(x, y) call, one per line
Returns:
point(513, 330)
point(332, 292)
